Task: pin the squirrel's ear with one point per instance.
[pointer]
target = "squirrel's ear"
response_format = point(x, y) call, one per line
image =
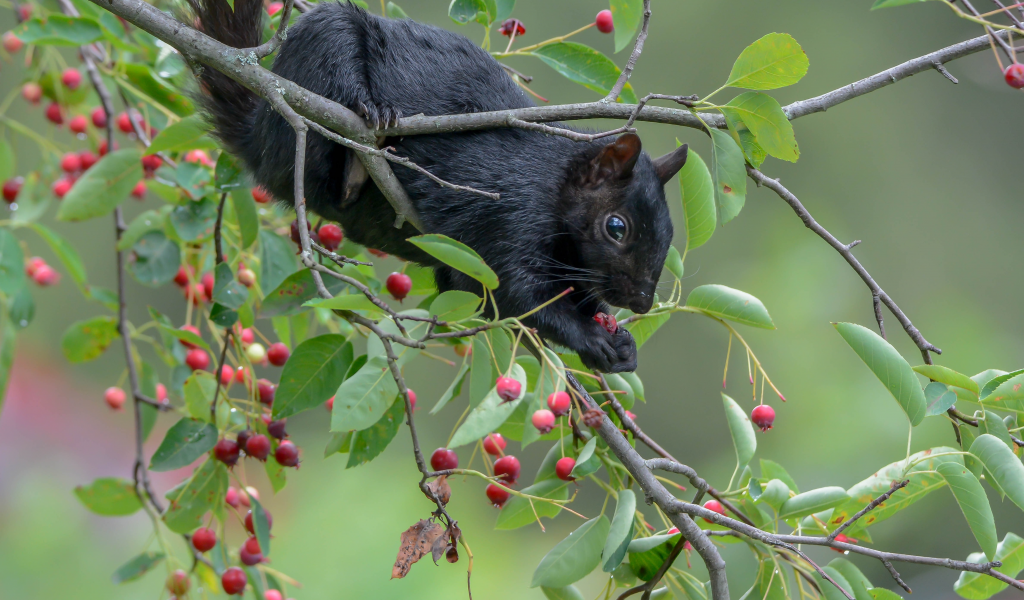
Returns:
point(616, 160)
point(668, 165)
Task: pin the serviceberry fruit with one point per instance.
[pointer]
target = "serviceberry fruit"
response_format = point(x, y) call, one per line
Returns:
point(763, 416)
point(508, 389)
point(226, 451)
point(1014, 76)
point(399, 285)
point(114, 396)
point(443, 459)
point(559, 403)
point(494, 443)
point(278, 354)
point(233, 581)
point(258, 447)
point(564, 467)
point(543, 420)
point(204, 539)
point(604, 21)
point(287, 454)
point(507, 469)
point(497, 495)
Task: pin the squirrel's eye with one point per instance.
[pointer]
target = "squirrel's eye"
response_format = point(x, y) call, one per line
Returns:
point(616, 228)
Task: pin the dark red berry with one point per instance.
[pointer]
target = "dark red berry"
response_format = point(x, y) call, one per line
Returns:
point(295, 231)
point(604, 21)
point(278, 354)
point(763, 416)
point(204, 539)
point(250, 553)
point(55, 114)
point(124, 123)
point(248, 521)
point(443, 459)
point(258, 447)
point(510, 26)
point(226, 451)
point(99, 118)
point(276, 429)
point(233, 580)
point(12, 187)
point(607, 321)
point(331, 236)
point(507, 469)
point(564, 467)
point(497, 495)
point(287, 454)
point(1014, 75)
point(181, 277)
point(243, 439)
point(88, 159)
point(494, 443)
point(399, 285)
point(266, 391)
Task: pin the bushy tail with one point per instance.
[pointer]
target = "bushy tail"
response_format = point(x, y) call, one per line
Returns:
point(230, 106)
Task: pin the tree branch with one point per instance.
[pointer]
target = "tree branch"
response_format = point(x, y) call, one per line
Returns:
point(638, 47)
point(896, 486)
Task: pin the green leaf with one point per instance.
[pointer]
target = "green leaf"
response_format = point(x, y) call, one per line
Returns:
point(620, 533)
point(8, 335)
point(644, 327)
point(200, 388)
point(467, 11)
point(647, 554)
point(938, 398)
point(489, 415)
point(185, 442)
point(453, 390)
point(574, 557)
point(776, 60)
point(773, 470)
point(698, 194)
point(891, 3)
point(193, 498)
point(1005, 392)
point(829, 591)
point(733, 305)
point(277, 260)
point(891, 369)
point(297, 289)
point(455, 305)
point(812, 502)
point(482, 373)
point(194, 221)
point(21, 308)
point(992, 424)
point(186, 336)
point(729, 175)
point(276, 474)
point(457, 255)
point(7, 162)
point(504, 8)
point(157, 259)
point(12, 263)
point(884, 594)
point(674, 263)
point(858, 582)
point(58, 30)
point(102, 187)
point(65, 252)
point(364, 397)
point(741, 430)
point(157, 88)
point(978, 586)
point(775, 494)
point(586, 463)
point(518, 511)
point(226, 290)
point(634, 382)
point(109, 497)
point(145, 222)
point(763, 116)
point(626, 17)
point(182, 135)
point(568, 592)
point(369, 443)
point(948, 376)
point(585, 66)
point(245, 212)
point(312, 374)
point(973, 503)
point(395, 12)
point(86, 340)
point(137, 567)
point(260, 525)
point(1002, 465)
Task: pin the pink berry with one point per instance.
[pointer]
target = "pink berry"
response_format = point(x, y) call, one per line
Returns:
point(412, 399)
point(247, 277)
point(1014, 75)
point(115, 397)
point(204, 539)
point(250, 553)
point(714, 506)
point(99, 118)
point(494, 443)
point(12, 187)
point(161, 392)
point(197, 359)
point(331, 236)
point(672, 531)
point(329, 404)
point(139, 191)
point(248, 336)
point(508, 389)
point(507, 469)
point(564, 467)
point(272, 595)
point(763, 416)
point(497, 495)
point(55, 114)
point(443, 459)
point(190, 329)
point(33, 264)
point(70, 162)
point(11, 43)
point(32, 92)
point(71, 79)
point(226, 451)
point(231, 498)
point(78, 124)
point(604, 21)
point(88, 159)
point(559, 403)
point(274, 8)
point(46, 276)
point(278, 354)
point(287, 454)
point(61, 187)
point(233, 581)
point(227, 375)
point(399, 285)
point(543, 420)
point(124, 123)
point(261, 195)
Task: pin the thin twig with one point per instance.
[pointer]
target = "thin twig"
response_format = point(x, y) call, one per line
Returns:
point(647, 586)
point(896, 486)
point(280, 35)
point(567, 133)
point(638, 47)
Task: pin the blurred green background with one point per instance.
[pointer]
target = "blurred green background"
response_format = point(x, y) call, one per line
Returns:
point(925, 172)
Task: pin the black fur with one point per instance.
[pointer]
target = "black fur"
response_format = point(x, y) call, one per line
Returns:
point(548, 230)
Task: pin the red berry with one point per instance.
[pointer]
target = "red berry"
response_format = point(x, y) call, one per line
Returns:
point(494, 443)
point(1014, 75)
point(33, 264)
point(70, 162)
point(11, 43)
point(287, 454)
point(247, 336)
point(71, 79)
point(32, 92)
point(177, 582)
point(399, 285)
point(231, 498)
point(274, 8)
point(714, 506)
point(258, 447)
point(204, 539)
point(278, 354)
point(672, 531)
point(242, 375)
point(181, 278)
point(253, 545)
point(543, 420)
point(102, 149)
point(508, 389)
point(88, 159)
point(276, 429)
point(559, 403)
point(45, 276)
point(161, 392)
point(607, 321)
point(412, 399)
point(604, 21)
point(227, 375)
point(226, 451)
point(197, 359)
point(329, 404)
point(61, 187)
point(152, 162)
point(24, 12)
point(207, 282)
point(497, 495)
point(330, 236)
point(248, 521)
point(55, 114)
point(139, 191)
point(12, 187)
point(564, 467)
point(763, 416)
point(233, 580)
point(243, 439)
point(124, 123)
point(99, 118)
point(512, 25)
point(842, 537)
point(261, 195)
point(115, 397)
point(250, 553)
point(443, 459)
point(78, 124)
point(266, 391)
point(507, 468)
point(198, 156)
point(272, 595)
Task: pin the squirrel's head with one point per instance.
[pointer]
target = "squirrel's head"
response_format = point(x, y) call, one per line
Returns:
point(614, 205)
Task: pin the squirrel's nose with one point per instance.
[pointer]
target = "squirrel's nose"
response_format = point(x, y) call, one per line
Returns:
point(641, 303)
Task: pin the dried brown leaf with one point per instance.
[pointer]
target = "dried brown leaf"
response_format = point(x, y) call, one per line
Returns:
point(593, 417)
point(417, 542)
point(440, 489)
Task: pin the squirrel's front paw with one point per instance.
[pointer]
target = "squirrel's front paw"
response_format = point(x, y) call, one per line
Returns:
point(380, 116)
point(610, 352)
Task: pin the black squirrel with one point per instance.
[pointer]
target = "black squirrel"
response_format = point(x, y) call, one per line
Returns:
point(591, 215)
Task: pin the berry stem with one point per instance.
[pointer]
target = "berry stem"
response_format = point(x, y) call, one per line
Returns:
point(553, 40)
